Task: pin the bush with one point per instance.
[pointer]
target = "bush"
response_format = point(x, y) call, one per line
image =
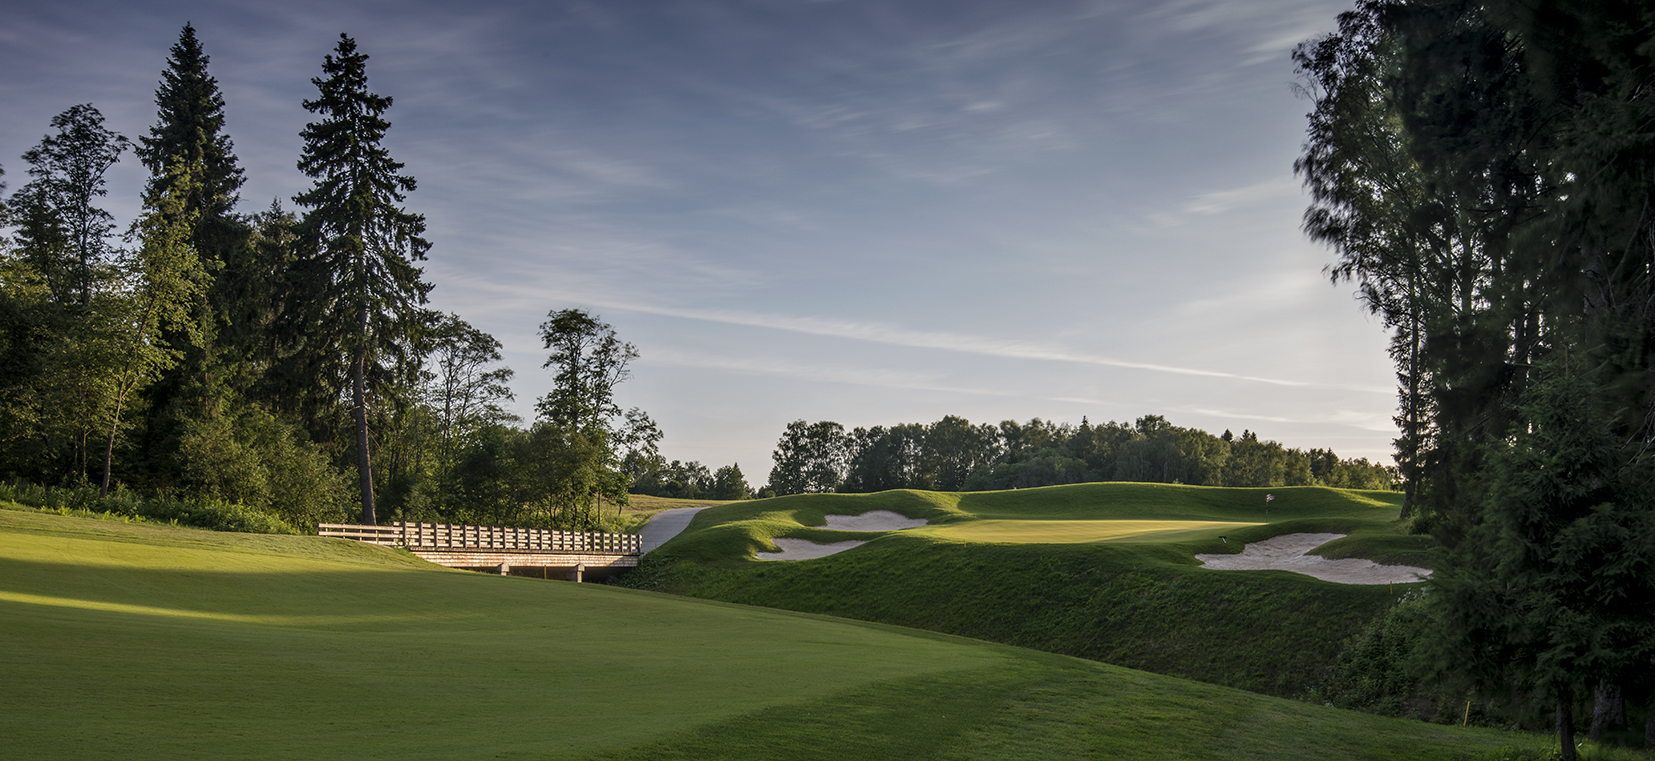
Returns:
point(199, 513)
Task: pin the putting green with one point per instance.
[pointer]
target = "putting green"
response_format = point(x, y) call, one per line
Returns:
point(1080, 532)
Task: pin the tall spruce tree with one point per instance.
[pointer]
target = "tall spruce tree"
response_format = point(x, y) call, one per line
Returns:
point(192, 162)
point(188, 131)
point(360, 242)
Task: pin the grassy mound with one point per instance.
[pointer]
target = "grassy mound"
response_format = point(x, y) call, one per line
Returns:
point(142, 642)
point(1100, 571)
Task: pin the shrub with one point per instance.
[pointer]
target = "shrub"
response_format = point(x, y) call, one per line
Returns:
point(197, 512)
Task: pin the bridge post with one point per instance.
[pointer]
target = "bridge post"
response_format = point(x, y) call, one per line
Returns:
point(505, 569)
point(580, 571)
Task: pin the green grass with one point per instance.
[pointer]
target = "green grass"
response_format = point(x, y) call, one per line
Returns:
point(1056, 569)
point(145, 642)
point(1080, 531)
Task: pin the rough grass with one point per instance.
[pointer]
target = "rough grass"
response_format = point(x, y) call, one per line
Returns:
point(1070, 586)
point(142, 642)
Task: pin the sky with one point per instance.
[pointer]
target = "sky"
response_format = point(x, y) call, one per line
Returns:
point(871, 212)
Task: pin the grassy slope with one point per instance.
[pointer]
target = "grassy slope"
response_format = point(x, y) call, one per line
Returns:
point(135, 642)
point(1142, 604)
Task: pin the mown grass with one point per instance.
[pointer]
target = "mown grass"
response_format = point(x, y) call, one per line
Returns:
point(1078, 588)
point(144, 642)
point(1080, 531)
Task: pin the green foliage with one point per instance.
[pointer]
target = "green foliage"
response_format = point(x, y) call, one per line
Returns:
point(1482, 170)
point(189, 131)
point(810, 457)
point(729, 483)
point(678, 480)
point(588, 362)
point(166, 279)
point(564, 474)
point(62, 299)
point(188, 511)
point(1380, 670)
point(572, 457)
point(258, 460)
point(364, 293)
point(463, 388)
point(61, 235)
point(1567, 600)
point(954, 454)
point(193, 167)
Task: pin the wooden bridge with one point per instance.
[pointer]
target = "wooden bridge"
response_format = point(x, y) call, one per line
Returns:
point(546, 554)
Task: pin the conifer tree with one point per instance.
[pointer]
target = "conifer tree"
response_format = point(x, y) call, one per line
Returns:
point(188, 131)
point(192, 163)
point(360, 242)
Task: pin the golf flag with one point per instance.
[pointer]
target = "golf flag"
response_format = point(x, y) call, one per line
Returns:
point(1269, 498)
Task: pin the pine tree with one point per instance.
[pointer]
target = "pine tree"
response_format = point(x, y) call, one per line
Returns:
point(193, 163)
point(360, 242)
point(187, 131)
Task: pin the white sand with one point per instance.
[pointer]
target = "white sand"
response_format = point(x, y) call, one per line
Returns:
point(804, 549)
point(1287, 553)
point(873, 520)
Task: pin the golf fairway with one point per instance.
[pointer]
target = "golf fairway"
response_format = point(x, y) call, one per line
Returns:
point(122, 641)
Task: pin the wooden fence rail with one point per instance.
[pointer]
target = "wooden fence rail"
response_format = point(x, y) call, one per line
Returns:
point(447, 536)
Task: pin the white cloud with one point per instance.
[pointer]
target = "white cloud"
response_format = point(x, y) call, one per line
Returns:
point(956, 342)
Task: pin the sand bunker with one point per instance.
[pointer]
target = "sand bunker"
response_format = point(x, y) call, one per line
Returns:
point(873, 520)
point(804, 549)
point(1287, 553)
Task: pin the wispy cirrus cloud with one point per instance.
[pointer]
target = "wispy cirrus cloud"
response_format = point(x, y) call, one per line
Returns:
point(957, 342)
point(834, 373)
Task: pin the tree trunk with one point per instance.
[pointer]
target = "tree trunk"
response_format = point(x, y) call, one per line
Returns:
point(359, 397)
point(109, 450)
point(122, 390)
point(1608, 710)
point(1565, 730)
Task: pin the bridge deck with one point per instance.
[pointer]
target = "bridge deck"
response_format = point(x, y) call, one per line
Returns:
point(514, 551)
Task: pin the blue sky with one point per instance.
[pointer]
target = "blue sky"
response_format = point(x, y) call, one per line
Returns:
point(867, 212)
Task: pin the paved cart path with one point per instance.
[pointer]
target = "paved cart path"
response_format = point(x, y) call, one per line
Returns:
point(666, 525)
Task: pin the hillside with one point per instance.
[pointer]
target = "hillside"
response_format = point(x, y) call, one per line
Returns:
point(1053, 569)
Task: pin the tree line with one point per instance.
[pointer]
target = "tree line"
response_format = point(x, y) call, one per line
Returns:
point(952, 454)
point(1483, 171)
point(285, 360)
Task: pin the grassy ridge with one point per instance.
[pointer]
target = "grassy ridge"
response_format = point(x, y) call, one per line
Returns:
point(1140, 604)
point(139, 642)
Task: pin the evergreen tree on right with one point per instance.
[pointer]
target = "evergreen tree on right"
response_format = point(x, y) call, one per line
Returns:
point(1483, 170)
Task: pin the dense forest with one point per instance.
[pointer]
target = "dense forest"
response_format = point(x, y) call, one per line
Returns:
point(282, 362)
point(954, 455)
point(1484, 172)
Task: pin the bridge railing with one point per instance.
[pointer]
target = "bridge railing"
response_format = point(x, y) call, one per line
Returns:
point(448, 536)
